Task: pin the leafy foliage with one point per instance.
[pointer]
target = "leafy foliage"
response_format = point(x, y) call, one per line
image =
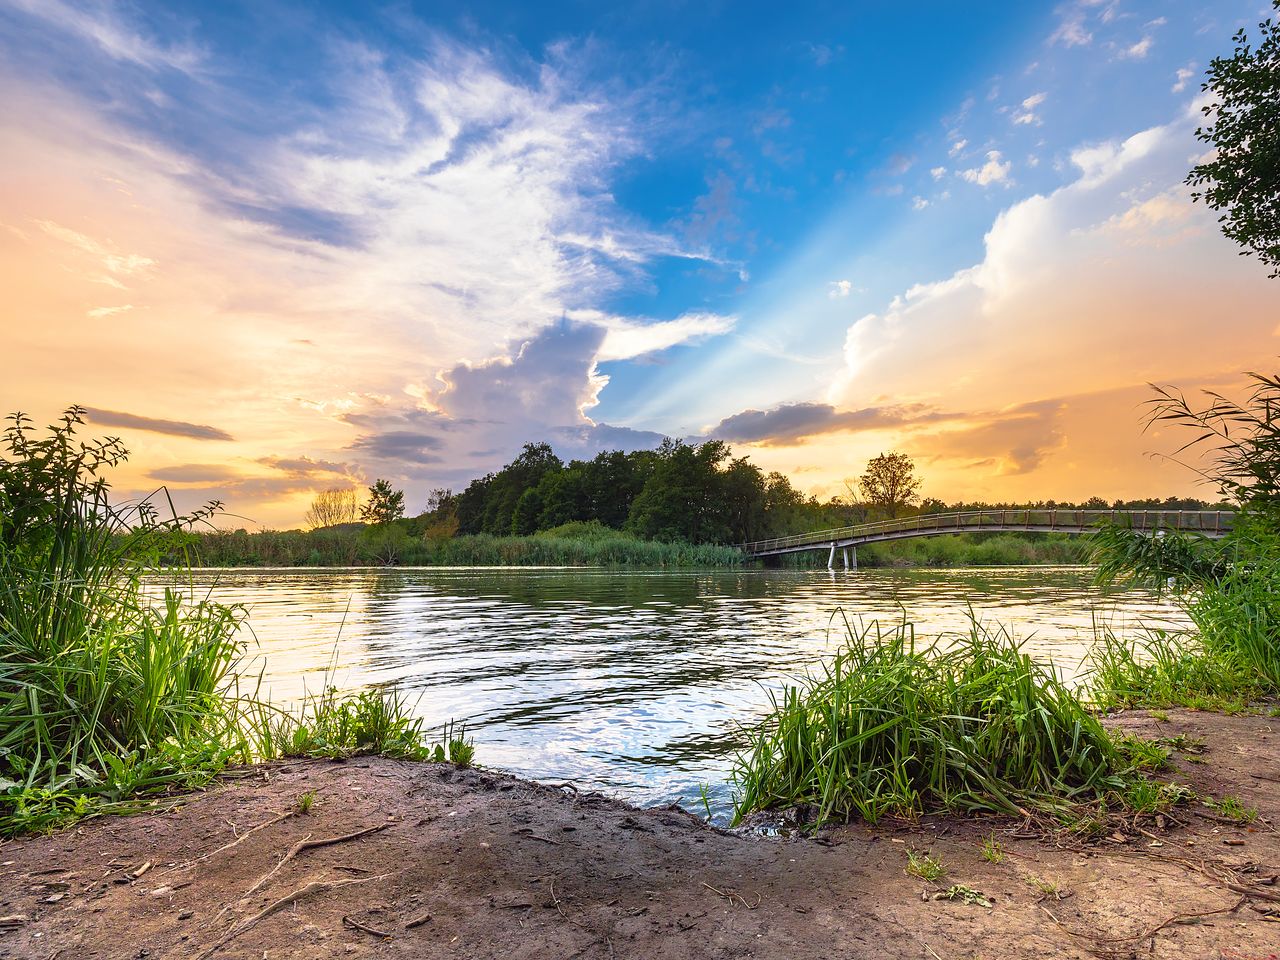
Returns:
point(1231, 589)
point(1242, 177)
point(384, 505)
point(890, 483)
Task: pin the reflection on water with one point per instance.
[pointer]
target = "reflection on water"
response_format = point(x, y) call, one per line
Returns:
point(636, 683)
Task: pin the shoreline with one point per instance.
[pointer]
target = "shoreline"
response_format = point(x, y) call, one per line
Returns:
point(474, 863)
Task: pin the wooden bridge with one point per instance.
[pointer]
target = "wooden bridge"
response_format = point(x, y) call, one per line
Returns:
point(1209, 523)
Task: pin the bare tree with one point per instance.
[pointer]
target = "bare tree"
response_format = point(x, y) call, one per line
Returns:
point(890, 482)
point(332, 507)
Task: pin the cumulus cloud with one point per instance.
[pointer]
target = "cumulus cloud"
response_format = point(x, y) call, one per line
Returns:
point(1182, 78)
point(838, 289)
point(483, 412)
point(426, 206)
point(995, 170)
point(1112, 280)
point(1010, 442)
point(177, 428)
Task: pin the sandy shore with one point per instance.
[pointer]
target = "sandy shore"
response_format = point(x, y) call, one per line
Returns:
point(430, 861)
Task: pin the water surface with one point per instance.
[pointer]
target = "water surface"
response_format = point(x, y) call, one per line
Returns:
point(636, 683)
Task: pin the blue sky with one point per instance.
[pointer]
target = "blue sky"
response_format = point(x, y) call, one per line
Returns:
point(347, 221)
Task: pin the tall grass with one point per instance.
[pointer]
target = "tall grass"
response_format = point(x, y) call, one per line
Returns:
point(1162, 669)
point(887, 727)
point(108, 694)
point(962, 550)
point(392, 544)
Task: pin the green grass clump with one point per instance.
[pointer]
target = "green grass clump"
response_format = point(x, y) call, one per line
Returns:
point(110, 695)
point(1232, 808)
point(923, 866)
point(1169, 670)
point(886, 728)
point(1141, 754)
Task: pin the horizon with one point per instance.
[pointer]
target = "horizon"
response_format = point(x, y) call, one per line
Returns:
point(281, 249)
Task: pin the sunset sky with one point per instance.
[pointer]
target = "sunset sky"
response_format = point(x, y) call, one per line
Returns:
point(279, 247)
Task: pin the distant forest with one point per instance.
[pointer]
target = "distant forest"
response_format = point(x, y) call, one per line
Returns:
point(695, 494)
point(679, 505)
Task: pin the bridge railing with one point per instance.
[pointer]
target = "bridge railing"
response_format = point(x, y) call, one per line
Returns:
point(1201, 521)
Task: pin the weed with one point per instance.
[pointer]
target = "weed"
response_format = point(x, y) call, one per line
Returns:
point(1142, 754)
point(305, 802)
point(923, 866)
point(1231, 808)
point(1046, 888)
point(964, 894)
point(992, 852)
point(1149, 796)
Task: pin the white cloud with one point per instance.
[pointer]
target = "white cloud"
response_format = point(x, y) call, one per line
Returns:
point(438, 207)
point(938, 172)
point(1101, 285)
point(919, 203)
point(1071, 31)
point(837, 289)
point(1139, 50)
point(1182, 77)
point(1028, 112)
point(993, 171)
point(99, 313)
point(957, 146)
point(100, 25)
point(627, 339)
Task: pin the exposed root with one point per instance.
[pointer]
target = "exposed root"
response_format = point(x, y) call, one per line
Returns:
point(306, 843)
point(314, 887)
point(227, 846)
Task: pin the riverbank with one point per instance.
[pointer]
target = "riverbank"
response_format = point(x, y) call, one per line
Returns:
point(467, 863)
point(591, 545)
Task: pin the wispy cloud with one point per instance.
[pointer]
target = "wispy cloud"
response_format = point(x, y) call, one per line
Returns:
point(101, 24)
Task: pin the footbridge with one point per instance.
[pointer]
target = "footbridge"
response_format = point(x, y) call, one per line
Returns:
point(1209, 523)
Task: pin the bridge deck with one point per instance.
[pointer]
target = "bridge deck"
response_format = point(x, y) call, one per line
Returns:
point(1210, 523)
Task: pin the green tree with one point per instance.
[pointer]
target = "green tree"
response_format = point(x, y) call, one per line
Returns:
point(683, 497)
point(890, 483)
point(524, 520)
point(1242, 177)
point(384, 504)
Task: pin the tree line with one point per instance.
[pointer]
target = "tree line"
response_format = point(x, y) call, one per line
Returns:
point(681, 492)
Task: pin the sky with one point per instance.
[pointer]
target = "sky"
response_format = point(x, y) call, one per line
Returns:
point(281, 247)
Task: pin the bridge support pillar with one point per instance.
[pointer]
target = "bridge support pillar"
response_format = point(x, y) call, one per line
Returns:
point(831, 558)
point(846, 558)
point(854, 551)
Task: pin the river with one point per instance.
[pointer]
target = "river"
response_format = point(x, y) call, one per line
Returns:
point(634, 683)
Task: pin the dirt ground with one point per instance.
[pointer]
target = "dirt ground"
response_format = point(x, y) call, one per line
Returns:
point(430, 861)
